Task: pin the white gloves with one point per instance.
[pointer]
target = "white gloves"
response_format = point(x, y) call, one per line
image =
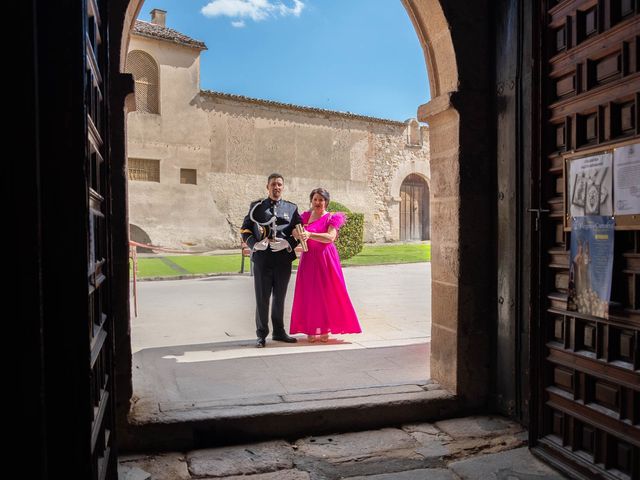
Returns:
point(261, 245)
point(277, 245)
point(280, 244)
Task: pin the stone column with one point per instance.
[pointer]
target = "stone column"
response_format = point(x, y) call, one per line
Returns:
point(462, 242)
point(443, 122)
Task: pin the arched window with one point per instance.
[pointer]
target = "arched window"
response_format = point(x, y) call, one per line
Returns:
point(145, 73)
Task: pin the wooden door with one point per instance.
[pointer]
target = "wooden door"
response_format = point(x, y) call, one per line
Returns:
point(99, 317)
point(68, 198)
point(588, 392)
point(414, 209)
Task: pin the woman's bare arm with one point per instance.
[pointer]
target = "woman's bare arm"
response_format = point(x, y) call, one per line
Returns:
point(328, 237)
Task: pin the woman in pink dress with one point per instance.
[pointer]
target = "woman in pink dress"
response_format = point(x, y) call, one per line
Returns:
point(321, 304)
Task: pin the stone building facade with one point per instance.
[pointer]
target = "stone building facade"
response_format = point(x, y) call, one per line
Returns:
point(198, 158)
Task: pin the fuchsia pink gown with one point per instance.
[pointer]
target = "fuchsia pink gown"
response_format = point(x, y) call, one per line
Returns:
point(321, 304)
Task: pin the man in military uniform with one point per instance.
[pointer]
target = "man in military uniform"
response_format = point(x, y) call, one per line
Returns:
point(267, 231)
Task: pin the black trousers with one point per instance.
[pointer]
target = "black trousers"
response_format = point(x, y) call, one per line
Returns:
point(271, 274)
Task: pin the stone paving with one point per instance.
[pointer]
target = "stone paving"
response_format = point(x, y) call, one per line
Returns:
point(470, 448)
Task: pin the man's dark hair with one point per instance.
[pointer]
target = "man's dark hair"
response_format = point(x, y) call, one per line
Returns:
point(274, 175)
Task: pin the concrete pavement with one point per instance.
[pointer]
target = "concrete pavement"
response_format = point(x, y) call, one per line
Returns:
point(194, 355)
point(193, 340)
point(393, 303)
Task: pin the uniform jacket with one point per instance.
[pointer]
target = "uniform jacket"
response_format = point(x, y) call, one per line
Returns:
point(287, 217)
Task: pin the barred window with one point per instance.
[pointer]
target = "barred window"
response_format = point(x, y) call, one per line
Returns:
point(188, 176)
point(145, 73)
point(144, 170)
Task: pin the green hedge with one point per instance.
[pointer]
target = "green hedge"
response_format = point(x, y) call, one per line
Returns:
point(337, 207)
point(350, 239)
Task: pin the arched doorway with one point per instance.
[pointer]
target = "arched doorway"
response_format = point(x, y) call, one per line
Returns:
point(57, 209)
point(414, 209)
point(459, 116)
point(453, 114)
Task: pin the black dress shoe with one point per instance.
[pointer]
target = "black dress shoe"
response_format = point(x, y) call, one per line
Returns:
point(284, 338)
point(260, 342)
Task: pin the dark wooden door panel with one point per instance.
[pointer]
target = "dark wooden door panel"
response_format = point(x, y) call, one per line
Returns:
point(589, 390)
point(100, 361)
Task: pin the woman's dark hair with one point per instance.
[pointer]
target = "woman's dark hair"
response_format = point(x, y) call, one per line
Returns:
point(323, 193)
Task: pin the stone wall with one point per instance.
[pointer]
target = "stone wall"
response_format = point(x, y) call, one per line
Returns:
point(235, 142)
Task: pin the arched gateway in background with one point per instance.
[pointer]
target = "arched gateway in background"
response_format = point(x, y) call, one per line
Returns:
point(414, 209)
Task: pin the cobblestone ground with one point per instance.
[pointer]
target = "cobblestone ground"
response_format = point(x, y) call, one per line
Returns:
point(475, 448)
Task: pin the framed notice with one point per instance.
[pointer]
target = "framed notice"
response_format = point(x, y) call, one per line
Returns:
point(626, 186)
point(588, 186)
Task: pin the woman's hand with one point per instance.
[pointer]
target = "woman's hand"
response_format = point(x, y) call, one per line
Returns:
point(300, 236)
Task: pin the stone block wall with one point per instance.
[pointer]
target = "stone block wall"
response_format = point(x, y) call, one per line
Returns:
point(234, 143)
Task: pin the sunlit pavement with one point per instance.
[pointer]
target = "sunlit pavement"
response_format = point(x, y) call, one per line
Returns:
point(193, 342)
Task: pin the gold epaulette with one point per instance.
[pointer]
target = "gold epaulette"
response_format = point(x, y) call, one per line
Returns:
point(246, 230)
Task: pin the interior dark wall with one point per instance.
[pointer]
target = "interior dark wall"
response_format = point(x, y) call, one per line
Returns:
point(23, 291)
point(472, 27)
point(121, 85)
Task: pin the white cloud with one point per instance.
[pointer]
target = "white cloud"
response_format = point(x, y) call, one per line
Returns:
point(296, 10)
point(256, 10)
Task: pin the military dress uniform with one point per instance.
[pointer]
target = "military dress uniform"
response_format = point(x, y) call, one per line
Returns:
point(272, 270)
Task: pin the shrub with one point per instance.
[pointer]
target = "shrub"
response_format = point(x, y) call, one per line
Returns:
point(337, 207)
point(350, 237)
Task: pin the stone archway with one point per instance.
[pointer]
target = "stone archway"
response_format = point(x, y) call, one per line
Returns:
point(456, 42)
point(457, 46)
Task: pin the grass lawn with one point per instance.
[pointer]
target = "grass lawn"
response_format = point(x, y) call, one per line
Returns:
point(210, 263)
point(195, 264)
point(385, 254)
point(154, 267)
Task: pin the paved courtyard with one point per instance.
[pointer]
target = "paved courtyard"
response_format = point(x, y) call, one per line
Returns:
point(393, 303)
point(193, 343)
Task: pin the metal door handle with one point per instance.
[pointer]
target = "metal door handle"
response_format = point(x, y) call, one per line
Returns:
point(538, 211)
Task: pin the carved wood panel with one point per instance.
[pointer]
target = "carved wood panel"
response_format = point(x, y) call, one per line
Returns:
point(589, 391)
point(100, 361)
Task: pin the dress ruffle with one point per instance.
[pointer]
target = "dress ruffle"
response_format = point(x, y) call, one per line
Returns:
point(337, 219)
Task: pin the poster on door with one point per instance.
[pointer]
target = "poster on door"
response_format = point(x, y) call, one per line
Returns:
point(590, 185)
point(591, 265)
point(627, 180)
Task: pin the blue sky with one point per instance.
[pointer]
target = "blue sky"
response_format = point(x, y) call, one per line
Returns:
point(360, 56)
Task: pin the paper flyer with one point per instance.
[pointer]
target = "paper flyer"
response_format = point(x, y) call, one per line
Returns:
point(590, 184)
point(591, 265)
point(626, 164)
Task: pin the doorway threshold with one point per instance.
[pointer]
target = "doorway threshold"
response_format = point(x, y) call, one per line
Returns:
point(189, 425)
point(185, 398)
